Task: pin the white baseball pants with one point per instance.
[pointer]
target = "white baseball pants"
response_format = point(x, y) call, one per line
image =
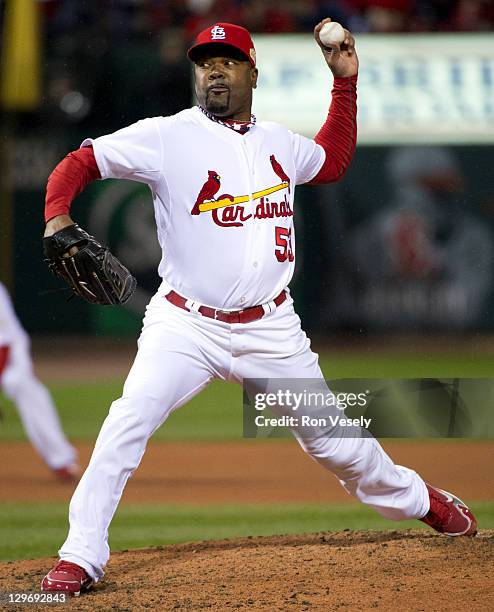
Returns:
point(179, 353)
point(36, 408)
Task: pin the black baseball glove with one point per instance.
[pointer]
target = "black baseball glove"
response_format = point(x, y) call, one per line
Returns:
point(92, 272)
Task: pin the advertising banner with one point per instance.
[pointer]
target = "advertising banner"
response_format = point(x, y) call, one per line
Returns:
point(428, 88)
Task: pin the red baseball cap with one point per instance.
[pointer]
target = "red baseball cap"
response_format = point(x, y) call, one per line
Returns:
point(225, 34)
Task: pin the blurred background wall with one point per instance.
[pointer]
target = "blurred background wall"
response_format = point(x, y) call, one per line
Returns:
point(402, 244)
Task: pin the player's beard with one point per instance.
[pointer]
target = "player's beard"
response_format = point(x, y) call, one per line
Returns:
point(218, 105)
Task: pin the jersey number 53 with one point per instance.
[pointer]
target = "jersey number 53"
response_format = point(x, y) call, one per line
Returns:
point(283, 239)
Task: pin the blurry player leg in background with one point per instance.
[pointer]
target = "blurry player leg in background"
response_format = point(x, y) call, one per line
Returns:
point(32, 399)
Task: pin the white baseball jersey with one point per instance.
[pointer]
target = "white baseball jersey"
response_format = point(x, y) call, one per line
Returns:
point(223, 201)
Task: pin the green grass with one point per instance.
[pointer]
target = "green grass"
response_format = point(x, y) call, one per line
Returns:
point(407, 365)
point(213, 415)
point(38, 530)
point(216, 414)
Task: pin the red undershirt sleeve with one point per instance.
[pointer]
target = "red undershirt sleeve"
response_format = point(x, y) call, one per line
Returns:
point(338, 135)
point(4, 355)
point(68, 180)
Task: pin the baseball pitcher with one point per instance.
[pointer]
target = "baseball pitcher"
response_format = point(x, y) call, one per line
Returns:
point(223, 189)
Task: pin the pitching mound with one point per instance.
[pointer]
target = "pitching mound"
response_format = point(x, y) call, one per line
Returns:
point(410, 570)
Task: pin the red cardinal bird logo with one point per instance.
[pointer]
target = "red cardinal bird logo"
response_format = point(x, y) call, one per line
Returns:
point(279, 171)
point(208, 190)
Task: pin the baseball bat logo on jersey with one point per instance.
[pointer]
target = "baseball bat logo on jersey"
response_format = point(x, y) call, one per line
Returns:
point(233, 212)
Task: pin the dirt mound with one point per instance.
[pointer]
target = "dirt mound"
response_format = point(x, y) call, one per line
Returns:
point(410, 570)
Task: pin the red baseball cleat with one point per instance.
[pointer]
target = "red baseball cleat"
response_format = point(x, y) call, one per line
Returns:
point(67, 473)
point(448, 514)
point(68, 578)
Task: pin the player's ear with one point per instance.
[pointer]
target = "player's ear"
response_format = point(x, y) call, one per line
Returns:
point(253, 77)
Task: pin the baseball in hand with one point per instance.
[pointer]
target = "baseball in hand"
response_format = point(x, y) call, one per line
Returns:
point(332, 33)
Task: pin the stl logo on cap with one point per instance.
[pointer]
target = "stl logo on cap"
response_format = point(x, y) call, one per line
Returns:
point(218, 33)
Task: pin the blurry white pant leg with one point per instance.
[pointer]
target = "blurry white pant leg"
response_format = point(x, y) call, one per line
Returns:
point(280, 349)
point(172, 365)
point(36, 408)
